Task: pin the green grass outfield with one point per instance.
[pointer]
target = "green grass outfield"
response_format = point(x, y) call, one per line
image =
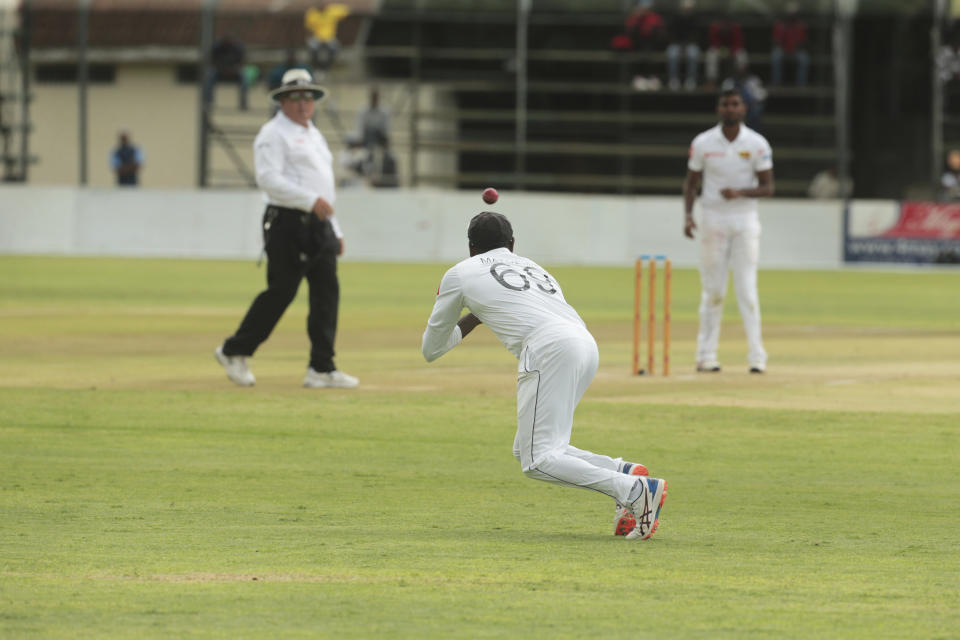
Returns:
point(144, 495)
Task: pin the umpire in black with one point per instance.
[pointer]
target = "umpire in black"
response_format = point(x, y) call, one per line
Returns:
point(294, 169)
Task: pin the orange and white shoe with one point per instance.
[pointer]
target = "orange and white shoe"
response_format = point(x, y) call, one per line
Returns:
point(623, 520)
point(633, 469)
point(645, 502)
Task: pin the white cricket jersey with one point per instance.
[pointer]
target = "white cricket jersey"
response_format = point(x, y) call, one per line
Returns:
point(729, 164)
point(514, 296)
point(294, 166)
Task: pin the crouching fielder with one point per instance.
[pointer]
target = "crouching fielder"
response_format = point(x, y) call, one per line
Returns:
point(524, 307)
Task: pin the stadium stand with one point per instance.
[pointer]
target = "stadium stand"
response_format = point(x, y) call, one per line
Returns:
point(587, 128)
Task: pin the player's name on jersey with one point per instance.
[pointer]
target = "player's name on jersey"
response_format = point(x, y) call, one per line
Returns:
point(502, 260)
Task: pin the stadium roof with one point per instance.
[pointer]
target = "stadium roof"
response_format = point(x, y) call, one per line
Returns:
point(176, 23)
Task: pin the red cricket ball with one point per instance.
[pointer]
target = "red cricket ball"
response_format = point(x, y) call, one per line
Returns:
point(490, 195)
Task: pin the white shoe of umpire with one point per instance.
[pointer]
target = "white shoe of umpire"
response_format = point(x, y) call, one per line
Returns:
point(645, 501)
point(236, 368)
point(332, 379)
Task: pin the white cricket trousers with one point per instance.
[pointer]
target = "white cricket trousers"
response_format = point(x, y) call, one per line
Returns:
point(729, 243)
point(555, 369)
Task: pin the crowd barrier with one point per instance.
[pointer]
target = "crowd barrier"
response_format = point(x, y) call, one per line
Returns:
point(397, 225)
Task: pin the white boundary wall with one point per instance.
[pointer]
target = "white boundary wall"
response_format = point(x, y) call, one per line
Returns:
point(396, 225)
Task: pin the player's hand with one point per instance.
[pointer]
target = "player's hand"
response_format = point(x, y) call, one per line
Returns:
point(322, 208)
point(467, 324)
point(689, 227)
point(730, 194)
point(340, 253)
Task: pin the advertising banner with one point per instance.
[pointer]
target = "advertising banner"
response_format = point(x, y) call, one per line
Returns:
point(916, 232)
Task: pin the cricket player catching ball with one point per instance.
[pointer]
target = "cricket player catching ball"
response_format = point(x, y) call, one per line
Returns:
point(735, 164)
point(523, 306)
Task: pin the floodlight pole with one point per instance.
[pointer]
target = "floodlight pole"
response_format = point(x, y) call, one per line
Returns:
point(523, 19)
point(83, 77)
point(203, 76)
point(25, 29)
point(842, 59)
point(936, 114)
point(416, 69)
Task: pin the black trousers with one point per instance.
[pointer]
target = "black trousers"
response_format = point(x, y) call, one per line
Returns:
point(298, 245)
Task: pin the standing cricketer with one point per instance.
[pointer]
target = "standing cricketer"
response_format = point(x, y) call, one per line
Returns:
point(735, 165)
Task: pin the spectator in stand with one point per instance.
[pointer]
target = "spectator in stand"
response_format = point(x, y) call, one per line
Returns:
point(275, 77)
point(373, 137)
point(789, 40)
point(950, 181)
point(948, 63)
point(725, 38)
point(682, 34)
point(643, 32)
point(826, 186)
point(373, 125)
point(751, 89)
point(227, 63)
point(126, 160)
point(948, 59)
point(322, 39)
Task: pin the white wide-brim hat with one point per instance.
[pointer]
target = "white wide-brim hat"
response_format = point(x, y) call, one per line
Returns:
point(298, 80)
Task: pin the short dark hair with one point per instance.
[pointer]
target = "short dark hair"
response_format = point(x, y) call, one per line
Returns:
point(489, 230)
point(726, 93)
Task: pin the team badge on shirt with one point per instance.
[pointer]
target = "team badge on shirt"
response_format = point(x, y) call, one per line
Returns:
point(745, 155)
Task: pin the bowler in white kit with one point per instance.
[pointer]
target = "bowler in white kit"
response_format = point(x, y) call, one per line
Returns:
point(522, 304)
point(735, 165)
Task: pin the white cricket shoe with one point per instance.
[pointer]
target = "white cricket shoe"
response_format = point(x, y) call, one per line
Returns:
point(645, 501)
point(623, 520)
point(236, 368)
point(710, 366)
point(333, 379)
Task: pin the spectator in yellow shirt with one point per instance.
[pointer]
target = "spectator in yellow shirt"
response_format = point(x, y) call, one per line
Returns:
point(322, 40)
